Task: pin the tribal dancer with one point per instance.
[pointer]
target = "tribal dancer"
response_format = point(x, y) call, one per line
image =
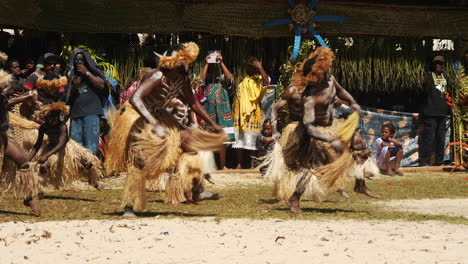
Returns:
point(62, 160)
point(311, 144)
point(149, 137)
point(21, 181)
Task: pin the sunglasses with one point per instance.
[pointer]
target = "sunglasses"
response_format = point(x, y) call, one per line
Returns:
point(77, 60)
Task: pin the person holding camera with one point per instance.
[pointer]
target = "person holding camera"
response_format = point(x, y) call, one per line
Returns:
point(85, 90)
point(217, 81)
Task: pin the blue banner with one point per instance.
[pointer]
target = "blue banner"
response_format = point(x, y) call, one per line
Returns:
point(407, 125)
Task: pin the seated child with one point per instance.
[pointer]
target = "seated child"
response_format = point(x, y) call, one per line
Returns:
point(264, 141)
point(389, 151)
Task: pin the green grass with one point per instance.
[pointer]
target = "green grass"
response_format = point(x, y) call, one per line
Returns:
point(254, 202)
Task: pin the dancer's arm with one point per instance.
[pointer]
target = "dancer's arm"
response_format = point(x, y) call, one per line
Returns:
point(345, 96)
point(37, 146)
point(274, 116)
point(308, 120)
point(144, 89)
point(21, 98)
point(62, 142)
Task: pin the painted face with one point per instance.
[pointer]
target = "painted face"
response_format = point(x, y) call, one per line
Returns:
point(15, 68)
point(386, 133)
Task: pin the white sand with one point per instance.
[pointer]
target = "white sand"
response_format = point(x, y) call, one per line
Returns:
point(450, 207)
point(233, 241)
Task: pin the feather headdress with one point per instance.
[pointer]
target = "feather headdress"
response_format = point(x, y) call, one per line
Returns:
point(183, 57)
point(52, 86)
point(49, 108)
point(322, 59)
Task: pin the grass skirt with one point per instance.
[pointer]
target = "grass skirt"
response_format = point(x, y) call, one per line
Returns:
point(19, 183)
point(298, 158)
point(122, 123)
point(65, 167)
point(71, 164)
point(189, 177)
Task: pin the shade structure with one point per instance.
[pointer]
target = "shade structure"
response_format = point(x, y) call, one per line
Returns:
point(239, 17)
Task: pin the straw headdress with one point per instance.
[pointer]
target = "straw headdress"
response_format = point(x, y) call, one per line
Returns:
point(49, 108)
point(183, 57)
point(322, 59)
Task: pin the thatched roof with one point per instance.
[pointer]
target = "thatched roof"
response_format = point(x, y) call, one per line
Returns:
point(232, 17)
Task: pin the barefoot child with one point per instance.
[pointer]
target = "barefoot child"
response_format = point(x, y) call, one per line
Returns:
point(265, 142)
point(389, 151)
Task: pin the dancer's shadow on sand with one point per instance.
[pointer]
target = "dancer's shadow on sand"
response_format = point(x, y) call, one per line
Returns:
point(52, 197)
point(13, 213)
point(322, 210)
point(156, 201)
point(276, 201)
point(154, 214)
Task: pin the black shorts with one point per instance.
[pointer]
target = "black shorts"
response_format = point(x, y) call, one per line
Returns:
point(394, 150)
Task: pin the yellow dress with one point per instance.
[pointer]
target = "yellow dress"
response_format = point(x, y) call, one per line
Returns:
point(247, 112)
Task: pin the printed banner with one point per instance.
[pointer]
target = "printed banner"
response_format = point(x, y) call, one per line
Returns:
point(407, 125)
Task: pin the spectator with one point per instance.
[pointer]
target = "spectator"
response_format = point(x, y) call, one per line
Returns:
point(29, 68)
point(50, 62)
point(246, 109)
point(218, 79)
point(434, 114)
point(389, 151)
point(265, 142)
point(267, 102)
point(13, 67)
point(86, 89)
point(127, 94)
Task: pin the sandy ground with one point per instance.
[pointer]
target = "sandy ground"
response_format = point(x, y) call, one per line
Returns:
point(451, 207)
point(153, 240)
point(232, 241)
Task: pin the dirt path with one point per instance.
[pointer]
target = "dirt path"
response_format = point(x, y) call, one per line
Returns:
point(232, 241)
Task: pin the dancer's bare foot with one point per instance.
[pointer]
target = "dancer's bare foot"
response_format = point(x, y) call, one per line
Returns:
point(398, 172)
point(209, 178)
point(128, 212)
point(99, 186)
point(32, 203)
point(388, 172)
point(293, 204)
point(239, 167)
point(343, 193)
point(360, 187)
point(225, 168)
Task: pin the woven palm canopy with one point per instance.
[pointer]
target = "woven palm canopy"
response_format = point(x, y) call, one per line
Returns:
point(236, 17)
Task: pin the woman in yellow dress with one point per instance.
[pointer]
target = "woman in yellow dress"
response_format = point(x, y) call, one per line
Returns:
point(246, 109)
